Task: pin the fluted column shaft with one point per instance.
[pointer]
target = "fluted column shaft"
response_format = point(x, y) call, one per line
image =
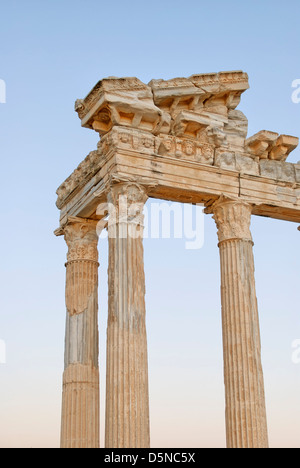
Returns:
point(80, 405)
point(127, 398)
point(246, 422)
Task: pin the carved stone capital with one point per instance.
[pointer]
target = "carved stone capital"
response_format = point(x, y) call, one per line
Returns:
point(82, 240)
point(128, 200)
point(233, 219)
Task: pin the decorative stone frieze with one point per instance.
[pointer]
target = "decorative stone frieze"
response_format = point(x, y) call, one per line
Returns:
point(193, 119)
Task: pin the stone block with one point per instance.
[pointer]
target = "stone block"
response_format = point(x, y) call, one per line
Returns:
point(285, 144)
point(246, 164)
point(226, 160)
point(278, 170)
point(269, 169)
point(297, 173)
point(286, 172)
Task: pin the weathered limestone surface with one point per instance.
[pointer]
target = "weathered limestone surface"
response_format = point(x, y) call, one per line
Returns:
point(121, 101)
point(181, 140)
point(269, 145)
point(80, 406)
point(246, 422)
point(127, 397)
point(155, 133)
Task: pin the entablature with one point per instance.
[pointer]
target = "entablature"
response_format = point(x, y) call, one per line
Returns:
point(185, 140)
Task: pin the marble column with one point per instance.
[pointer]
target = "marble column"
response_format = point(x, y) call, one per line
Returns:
point(80, 405)
point(127, 398)
point(246, 422)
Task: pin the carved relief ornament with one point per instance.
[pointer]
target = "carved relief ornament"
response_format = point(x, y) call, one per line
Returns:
point(233, 218)
point(126, 201)
point(82, 240)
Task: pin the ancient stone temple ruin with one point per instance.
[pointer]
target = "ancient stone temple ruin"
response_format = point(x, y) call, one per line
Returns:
point(180, 140)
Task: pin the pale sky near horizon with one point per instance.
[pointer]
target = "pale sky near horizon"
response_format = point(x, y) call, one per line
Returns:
point(52, 53)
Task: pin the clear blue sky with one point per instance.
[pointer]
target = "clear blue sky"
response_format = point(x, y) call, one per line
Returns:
point(52, 53)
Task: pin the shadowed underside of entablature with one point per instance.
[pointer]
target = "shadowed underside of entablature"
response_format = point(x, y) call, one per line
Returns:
point(185, 140)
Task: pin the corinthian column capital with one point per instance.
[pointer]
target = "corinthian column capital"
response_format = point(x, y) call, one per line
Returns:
point(128, 199)
point(82, 263)
point(125, 206)
point(233, 219)
point(82, 239)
